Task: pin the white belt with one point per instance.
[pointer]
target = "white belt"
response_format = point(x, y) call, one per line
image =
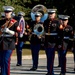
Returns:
point(66, 37)
point(51, 33)
point(74, 36)
point(33, 33)
point(5, 35)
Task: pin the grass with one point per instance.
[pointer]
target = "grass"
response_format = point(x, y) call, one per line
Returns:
point(27, 52)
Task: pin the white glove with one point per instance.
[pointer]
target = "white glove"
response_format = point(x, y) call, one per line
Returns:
point(6, 30)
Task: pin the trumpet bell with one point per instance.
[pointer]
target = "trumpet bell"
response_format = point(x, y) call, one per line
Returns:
point(38, 29)
point(39, 8)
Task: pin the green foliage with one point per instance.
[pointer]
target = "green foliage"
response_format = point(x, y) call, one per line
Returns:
point(63, 6)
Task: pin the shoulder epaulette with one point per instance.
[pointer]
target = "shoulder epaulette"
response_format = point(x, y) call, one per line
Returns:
point(13, 20)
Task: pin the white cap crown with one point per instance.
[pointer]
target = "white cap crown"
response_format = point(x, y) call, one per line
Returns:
point(21, 13)
point(8, 8)
point(52, 10)
point(65, 17)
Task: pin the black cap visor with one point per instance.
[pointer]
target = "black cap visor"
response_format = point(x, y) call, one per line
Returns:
point(37, 16)
point(7, 11)
point(51, 12)
point(64, 19)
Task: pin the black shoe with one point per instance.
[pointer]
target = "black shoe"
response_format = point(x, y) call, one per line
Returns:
point(33, 69)
point(18, 65)
point(62, 74)
point(74, 69)
point(49, 74)
point(0, 73)
point(58, 66)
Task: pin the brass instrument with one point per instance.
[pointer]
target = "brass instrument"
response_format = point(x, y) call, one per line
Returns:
point(38, 28)
point(39, 8)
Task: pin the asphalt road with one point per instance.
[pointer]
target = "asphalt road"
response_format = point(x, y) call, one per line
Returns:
point(27, 64)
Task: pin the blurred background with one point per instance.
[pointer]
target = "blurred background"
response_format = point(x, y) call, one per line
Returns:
point(63, 7)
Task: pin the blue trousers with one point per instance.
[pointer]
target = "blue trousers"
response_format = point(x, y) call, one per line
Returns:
point(63, 61)
point(59, 57)
point(74, 57)
point(19, 52)
point(50, 53)
point(35, 54)
point(0, 59)
point(5, 61)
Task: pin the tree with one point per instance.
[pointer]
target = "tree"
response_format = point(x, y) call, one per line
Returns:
point(62, 6)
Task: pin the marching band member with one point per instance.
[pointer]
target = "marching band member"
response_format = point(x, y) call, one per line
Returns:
point(58, 48)
point(2, 15)
point(51, 35)
point(65, 41)
point(21, 38)
point(35, 41)
point(74, 55)
point(8, 32)
point(73, 49)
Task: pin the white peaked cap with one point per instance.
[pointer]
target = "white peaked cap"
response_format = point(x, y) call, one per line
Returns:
point(8, 8)
point(38, 14)
point(21, 13)
point(64, 17)
point(52, 10)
